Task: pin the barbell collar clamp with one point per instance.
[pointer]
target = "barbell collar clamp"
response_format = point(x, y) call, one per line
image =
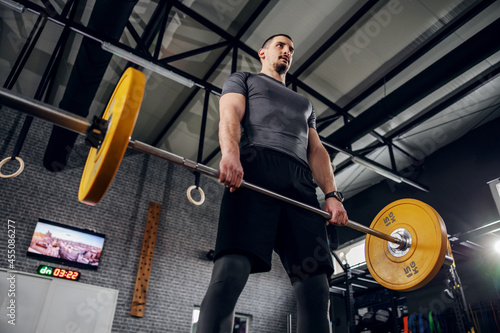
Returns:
point(399, 250)
point(96, 132)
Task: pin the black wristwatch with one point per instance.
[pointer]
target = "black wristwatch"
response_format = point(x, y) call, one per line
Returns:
point(335, 194)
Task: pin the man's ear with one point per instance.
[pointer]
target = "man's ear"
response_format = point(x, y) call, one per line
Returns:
point(262, 53)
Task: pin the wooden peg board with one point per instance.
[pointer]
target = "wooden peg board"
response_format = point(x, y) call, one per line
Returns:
point(144, 270)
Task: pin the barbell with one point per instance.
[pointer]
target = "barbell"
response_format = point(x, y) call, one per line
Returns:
point(406, 244)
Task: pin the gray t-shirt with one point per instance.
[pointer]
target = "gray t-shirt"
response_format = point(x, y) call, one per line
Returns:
point(275, 117)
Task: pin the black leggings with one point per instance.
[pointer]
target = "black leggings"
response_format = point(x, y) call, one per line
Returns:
point(229, 276)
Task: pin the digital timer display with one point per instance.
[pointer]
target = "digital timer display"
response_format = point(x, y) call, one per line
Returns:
point(58, 272)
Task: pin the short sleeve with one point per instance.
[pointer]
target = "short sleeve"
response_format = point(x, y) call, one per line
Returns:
point(236, 83)
point(311, 121)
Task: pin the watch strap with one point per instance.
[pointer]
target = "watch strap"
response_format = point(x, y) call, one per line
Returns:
point(335, 194)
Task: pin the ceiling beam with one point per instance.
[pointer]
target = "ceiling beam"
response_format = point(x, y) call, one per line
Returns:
point(372, 165)
point(325, 123)
point(463, 57)
point(154, 24)
point(298, 82)
point(451, 27)
point(440, 105)
point(202, 20)
point(335, 37)
point(191, 53)
point(475, 233)
point(434, 40)
point(189, 99)
point(473, 84)
point(217, 63)
point(431, 42)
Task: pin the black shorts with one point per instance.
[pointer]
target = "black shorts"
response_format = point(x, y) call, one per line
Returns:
point(254, 224)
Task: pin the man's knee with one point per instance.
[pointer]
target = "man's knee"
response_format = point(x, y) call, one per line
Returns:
point(314, 287)
point(231, 270)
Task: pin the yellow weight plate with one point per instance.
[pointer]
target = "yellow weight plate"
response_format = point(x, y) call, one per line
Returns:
point(121, 114)
point(427, 252)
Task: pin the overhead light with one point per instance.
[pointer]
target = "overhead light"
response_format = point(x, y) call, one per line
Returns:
point(495, 191)
point(377, 169)
point(13, 5)
point(497, 246)
point(146, 64)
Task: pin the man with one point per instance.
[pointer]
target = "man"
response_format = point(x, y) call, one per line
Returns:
point(267, 133)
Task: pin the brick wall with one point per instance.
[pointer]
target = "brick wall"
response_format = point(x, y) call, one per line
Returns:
point(180, 271)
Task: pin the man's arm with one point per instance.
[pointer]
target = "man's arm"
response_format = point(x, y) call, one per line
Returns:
point(322, 172)
point(232, 110)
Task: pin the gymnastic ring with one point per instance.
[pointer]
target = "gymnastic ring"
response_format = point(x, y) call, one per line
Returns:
point(190, 198)
point(15, 174)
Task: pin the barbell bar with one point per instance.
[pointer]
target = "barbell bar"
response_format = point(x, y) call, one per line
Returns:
point(81, 125)
point(415, 233)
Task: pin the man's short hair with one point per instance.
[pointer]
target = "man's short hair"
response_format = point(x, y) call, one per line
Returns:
point(270, 38)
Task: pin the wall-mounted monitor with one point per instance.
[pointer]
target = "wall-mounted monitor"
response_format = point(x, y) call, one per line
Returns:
point(56, 242)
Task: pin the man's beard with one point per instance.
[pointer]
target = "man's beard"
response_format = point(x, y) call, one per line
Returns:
point(281, 68)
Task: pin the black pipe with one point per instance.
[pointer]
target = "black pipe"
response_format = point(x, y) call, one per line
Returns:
point(21, 60)
point(109, 18)
point(201, 143)
point(47, 78)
